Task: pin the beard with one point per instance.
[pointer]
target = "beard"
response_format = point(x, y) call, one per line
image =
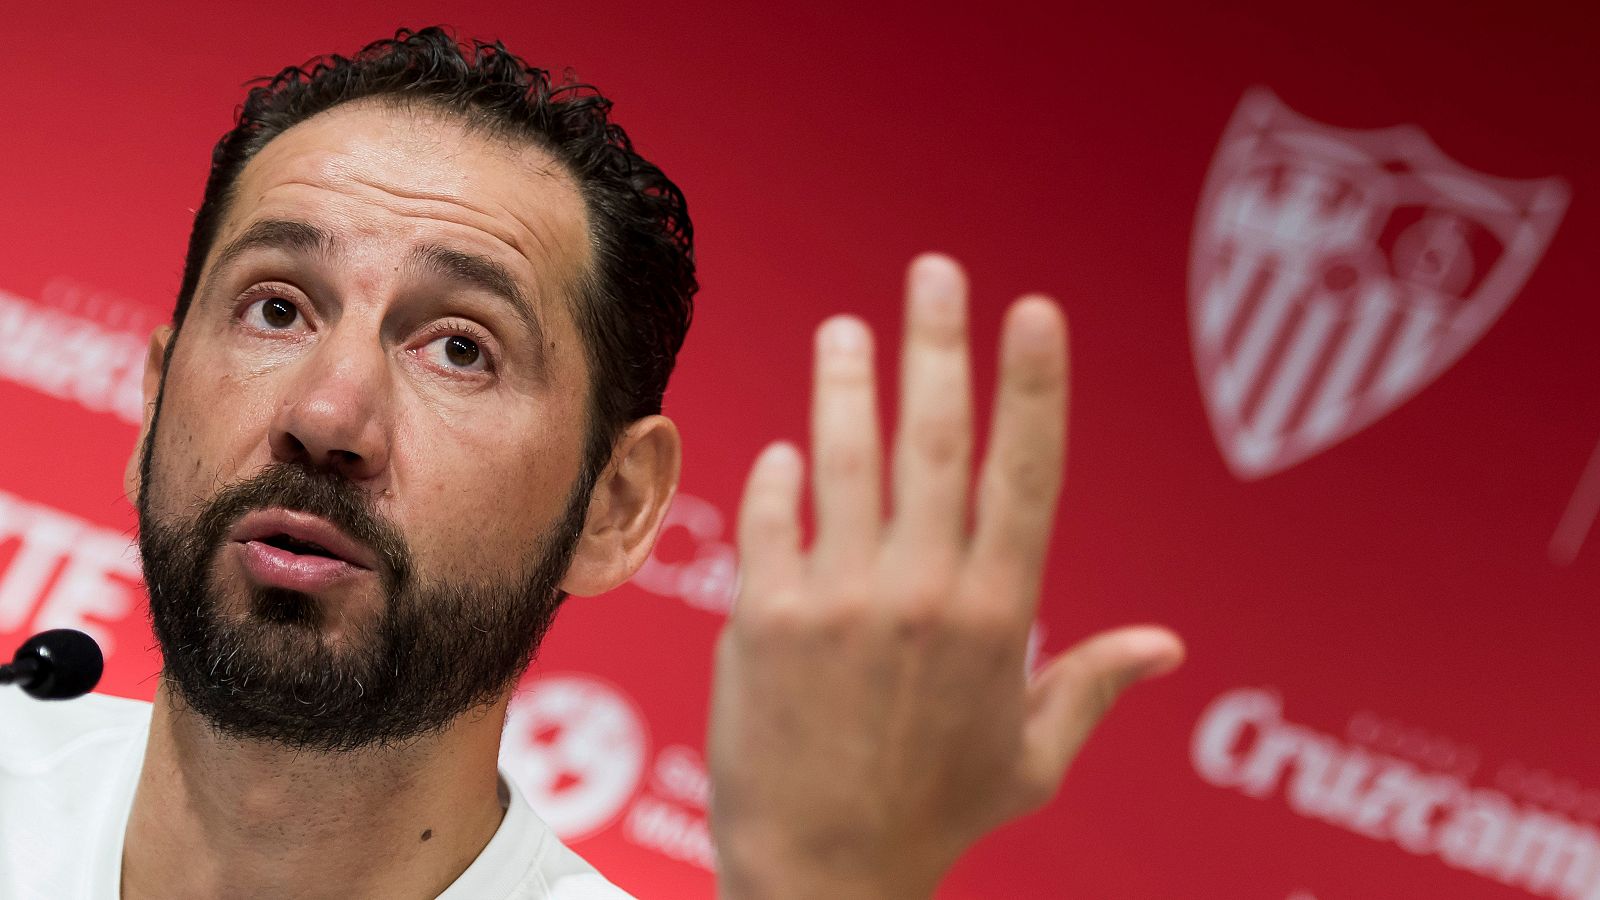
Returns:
point(437, 650)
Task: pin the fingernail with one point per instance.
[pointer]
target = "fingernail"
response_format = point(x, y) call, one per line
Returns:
point(782, 457)
point(936, 288)
point(1166, 651)
point(843, 335)
point(1034, 321)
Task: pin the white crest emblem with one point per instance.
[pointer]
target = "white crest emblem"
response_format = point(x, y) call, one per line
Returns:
point(576, 747)
point(1335, 273)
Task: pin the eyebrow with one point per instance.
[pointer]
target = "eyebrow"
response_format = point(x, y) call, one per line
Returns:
point(482, 273)
point(276, 234)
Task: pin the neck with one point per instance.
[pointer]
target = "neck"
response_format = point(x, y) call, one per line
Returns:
point(215, 816)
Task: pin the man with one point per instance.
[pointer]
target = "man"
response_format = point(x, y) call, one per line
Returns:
point(409, 400)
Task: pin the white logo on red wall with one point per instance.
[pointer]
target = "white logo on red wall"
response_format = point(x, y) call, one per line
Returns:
point(97, 343)
point(670, 815)
point(576, 746)
point(1335, 273)
point(60, 571)
point(1414, 793)
point(707, 576)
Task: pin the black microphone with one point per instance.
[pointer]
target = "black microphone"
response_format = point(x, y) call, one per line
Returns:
point(58, 664)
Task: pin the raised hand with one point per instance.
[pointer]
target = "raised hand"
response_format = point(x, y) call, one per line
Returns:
point(872, 715)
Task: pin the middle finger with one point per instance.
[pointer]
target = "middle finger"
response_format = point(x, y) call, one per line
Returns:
point(933, 440)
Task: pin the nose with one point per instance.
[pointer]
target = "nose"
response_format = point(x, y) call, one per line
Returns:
point(331, 414)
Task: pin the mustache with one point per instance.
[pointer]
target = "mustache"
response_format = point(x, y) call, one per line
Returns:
point(321, 493)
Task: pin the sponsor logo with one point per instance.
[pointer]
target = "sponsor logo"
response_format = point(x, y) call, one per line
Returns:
point(708, 578)
point(1243, 743)
point(96, 346)
point(1335, 273)
point(59, 571)
point(670, 816)
point(576, 747)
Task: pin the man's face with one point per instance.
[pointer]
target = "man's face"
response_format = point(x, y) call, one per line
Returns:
point(359, 494)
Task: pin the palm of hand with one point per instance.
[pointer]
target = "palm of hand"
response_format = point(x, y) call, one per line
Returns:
point(872, 715)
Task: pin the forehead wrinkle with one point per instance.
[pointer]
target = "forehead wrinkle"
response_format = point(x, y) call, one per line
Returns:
point(504, 191)
point(489, 220)
point(428, 206)
point(433, 208)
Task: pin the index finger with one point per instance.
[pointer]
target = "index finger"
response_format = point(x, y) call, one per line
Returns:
point(1022, 472)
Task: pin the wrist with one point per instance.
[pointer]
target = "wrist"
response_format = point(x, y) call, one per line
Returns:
point(806, 883)
point(760, 870)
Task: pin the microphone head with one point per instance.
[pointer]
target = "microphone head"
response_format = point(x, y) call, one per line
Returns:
point(69, 664)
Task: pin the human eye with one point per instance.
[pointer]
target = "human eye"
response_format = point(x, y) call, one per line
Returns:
point(267, 309)
point(458, 348)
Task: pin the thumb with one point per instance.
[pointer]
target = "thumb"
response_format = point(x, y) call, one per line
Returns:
point(1069, 696)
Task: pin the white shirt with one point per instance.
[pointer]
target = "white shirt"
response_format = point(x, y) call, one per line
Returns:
point(68, 770)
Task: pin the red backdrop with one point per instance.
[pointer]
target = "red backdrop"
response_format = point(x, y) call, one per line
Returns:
point(1389, 599)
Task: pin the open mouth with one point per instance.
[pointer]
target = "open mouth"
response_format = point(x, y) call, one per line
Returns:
point(297, 546)
point(299, 550)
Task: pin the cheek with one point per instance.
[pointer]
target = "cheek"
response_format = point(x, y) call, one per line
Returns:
point(178, 468)
point(210, 428)
point(481, 498)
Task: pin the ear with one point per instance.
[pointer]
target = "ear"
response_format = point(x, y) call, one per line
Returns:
point(625, 513)
point(152, 388)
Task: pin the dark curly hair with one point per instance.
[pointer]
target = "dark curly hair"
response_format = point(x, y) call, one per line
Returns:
point(636, 300)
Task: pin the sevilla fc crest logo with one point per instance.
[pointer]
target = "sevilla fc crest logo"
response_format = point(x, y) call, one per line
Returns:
point(1335, 273)
point(576, 747)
